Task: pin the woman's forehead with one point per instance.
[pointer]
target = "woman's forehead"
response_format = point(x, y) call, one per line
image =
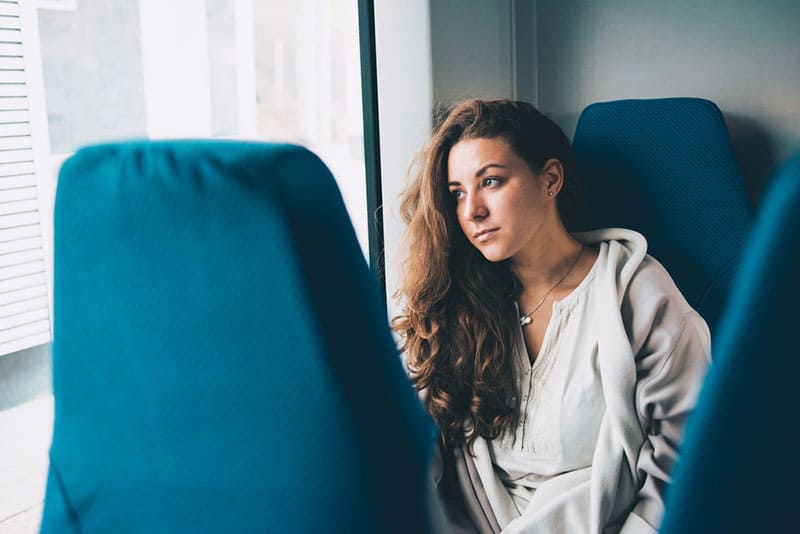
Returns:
point(469, 157)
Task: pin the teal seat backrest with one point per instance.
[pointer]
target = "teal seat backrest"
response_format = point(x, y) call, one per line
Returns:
point(738, 470)
point(665, 167)
point(221, 359)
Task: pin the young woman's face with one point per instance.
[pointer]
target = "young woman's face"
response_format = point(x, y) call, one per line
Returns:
point(500, 203)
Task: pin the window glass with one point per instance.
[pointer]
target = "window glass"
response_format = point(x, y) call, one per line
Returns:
point(273, 70)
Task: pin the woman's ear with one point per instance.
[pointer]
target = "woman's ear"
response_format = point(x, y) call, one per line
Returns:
point(553, 175)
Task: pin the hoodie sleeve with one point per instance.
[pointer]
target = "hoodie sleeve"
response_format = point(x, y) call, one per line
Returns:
point(671, 363)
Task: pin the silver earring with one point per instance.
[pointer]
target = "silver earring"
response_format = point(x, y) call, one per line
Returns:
point(549, 193)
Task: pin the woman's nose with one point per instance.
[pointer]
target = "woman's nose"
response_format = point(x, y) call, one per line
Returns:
point(476, 208)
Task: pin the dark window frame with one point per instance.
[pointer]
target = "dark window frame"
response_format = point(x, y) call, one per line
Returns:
point(372, 159)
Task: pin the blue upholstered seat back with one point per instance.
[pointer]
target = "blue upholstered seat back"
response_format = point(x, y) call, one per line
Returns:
point(221, 358)
point(665, 167)
point(738, 470)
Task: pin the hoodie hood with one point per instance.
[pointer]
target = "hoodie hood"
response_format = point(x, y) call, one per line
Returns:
point(621, 253)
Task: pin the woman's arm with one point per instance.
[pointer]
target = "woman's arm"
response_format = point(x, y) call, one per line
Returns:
point(670, 371)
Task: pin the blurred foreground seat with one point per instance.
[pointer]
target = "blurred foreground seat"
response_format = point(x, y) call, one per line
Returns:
point(738, 470)
point(665, 167)
point(221, 358)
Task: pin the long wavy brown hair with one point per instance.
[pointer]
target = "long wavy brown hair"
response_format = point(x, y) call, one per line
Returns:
point(458, 321)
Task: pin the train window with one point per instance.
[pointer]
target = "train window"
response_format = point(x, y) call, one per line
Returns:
point(270, 70)
point(79, 72)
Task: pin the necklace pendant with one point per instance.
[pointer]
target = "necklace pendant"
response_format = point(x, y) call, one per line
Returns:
point(525, 320)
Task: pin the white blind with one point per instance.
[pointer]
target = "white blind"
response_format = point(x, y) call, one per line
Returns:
point(25, 202)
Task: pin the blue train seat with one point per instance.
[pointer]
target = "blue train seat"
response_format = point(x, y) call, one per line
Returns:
point(222, 360)
point(665, 167)
point(738, 470)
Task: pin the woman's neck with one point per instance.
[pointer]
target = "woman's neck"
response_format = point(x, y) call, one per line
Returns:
point(543, 262)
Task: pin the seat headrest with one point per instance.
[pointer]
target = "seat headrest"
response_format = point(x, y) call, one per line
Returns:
point(665, 167)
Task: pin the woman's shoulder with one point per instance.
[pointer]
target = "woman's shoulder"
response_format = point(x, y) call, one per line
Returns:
point(649, 298)
point(652, 281)
point(639, 277)
point(653, 302)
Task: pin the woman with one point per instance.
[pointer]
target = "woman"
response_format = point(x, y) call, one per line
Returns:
point(559, 367)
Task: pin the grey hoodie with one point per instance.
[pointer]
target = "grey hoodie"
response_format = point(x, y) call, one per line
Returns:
point(653, 350)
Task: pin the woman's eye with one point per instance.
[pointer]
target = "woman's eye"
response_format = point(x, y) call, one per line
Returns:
point(490, 182)
point(457, 194)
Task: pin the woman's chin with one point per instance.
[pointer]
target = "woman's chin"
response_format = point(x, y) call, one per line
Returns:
point(494, 254)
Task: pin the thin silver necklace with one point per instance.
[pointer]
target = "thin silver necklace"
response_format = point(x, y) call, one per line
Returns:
point(526, 319)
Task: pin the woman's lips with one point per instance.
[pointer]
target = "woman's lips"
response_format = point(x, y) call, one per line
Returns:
point(485, 235)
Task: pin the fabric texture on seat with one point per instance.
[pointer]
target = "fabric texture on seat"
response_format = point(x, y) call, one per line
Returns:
point(665, 168)
point(222, 360)
point(738, 470)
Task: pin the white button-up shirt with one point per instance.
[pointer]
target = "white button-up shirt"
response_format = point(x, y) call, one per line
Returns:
point(560, 404)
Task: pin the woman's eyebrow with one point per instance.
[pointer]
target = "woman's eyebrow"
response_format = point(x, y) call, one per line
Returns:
point(485, 167)
point(478, 173)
